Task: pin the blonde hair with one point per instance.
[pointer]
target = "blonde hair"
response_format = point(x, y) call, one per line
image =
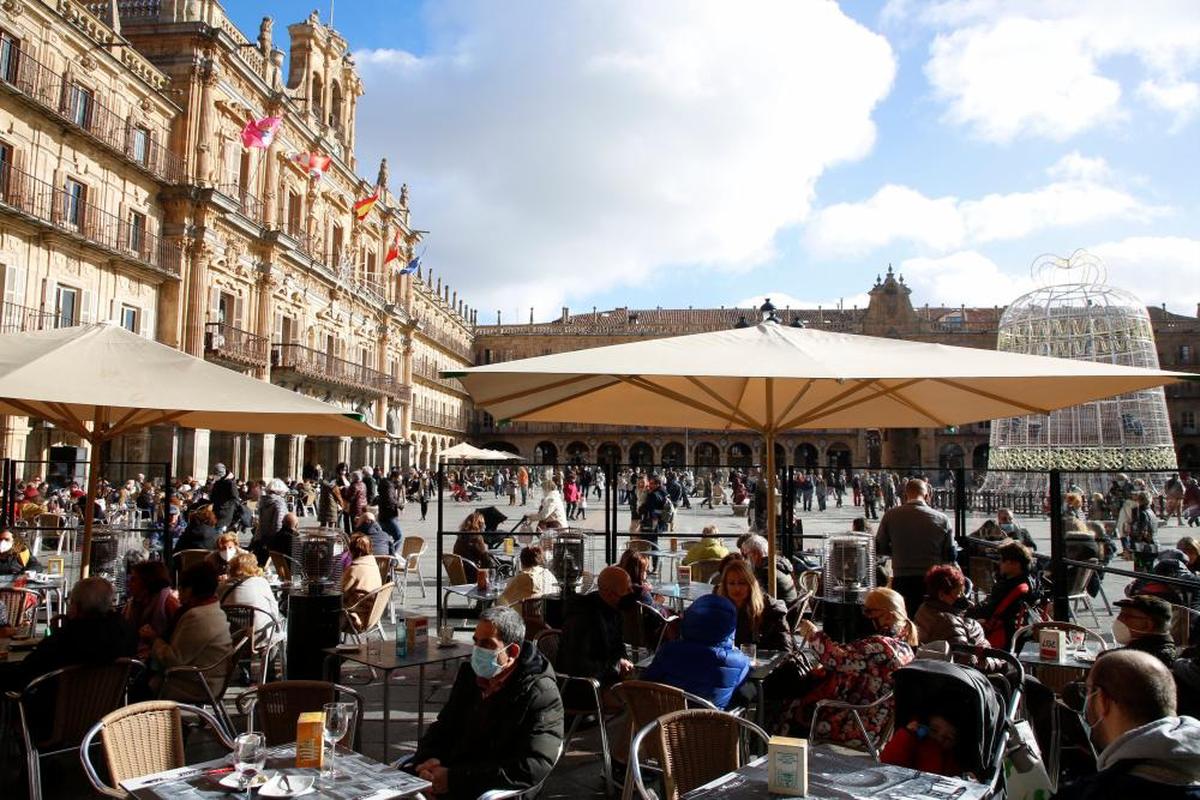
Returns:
point(245, 565)
point(227, 539)
point(1074, 500)
point(892, 603)
point(710, 530)
point(757, 601)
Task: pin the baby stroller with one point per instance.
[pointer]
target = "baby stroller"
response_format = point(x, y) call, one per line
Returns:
point(463, 494)
point(979, 706)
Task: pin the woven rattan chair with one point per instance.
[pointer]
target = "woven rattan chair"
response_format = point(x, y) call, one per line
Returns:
point(645, 702)
point(1055, 677)
point(411, 550)
point(285, 565)
point(703, 570)
point(855, 710)
point(142, 739)
point(265, 632)
point(191, 681)
point(186, 559)
point(57, 709)
point(389, 566)
point(456, 568)
point(1077, 592)
point(366, 615)
point(274, 708)
point(695, 747)
point(19, 607)
point(584, 690)
point(982, 572)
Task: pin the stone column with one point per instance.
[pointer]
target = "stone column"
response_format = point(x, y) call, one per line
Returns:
point(296, 457)
point(197, 299)
point(14, 435)
point(271, 186)
point(267, 467)
point(194, 453)
point(268, 279)
point(344, 444)
point(208, 72)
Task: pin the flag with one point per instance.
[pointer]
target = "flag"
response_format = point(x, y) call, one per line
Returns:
point(412, 266)
point(315, 163)
point(260, 132)
point(393, 251)
point(363, 207)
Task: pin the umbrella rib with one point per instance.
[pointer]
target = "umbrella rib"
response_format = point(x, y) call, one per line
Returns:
point(120, 429)
point(818, 409)
point(73, 422)
point(990, 396)
point(671, 394)
point(741, 397)
point(526, 392)
point(732, 408)
point(561, 400)
point(826, 410)
point(902, 399)
point(799, 396)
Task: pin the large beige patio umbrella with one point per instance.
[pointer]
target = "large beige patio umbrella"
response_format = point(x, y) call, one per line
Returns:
point(770, 379)
point(101, 381)
point(469, 452)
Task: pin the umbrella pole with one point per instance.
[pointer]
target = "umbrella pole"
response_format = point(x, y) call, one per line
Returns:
point(89, 511)
point(771, 519)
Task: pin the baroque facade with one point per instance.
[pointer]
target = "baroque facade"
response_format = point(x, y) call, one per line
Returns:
point(889, 313)
point(128, 196)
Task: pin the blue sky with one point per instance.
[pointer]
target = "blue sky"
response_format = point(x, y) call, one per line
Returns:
point(706, 153)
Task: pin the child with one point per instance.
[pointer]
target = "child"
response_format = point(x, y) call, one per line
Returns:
point(581, 507)
point(927, 746)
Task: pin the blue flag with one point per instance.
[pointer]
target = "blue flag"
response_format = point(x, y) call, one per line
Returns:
point(411, 267)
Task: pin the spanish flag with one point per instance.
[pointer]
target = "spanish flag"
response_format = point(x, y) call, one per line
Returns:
point(363, 207)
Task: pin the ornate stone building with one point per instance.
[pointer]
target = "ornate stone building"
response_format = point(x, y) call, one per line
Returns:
point(890, 313)
point(243, 256)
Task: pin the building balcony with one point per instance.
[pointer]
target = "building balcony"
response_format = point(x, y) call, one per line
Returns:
point(230, 345)
point(459, 348)
point(74, 216)
point(437, 419)
point(318, 367)
point(245, 203)
point(88, 115)
point(23, 319)
point(429, 371)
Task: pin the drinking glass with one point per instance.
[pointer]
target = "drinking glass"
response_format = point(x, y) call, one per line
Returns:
point(250, 756)
point(337, 722)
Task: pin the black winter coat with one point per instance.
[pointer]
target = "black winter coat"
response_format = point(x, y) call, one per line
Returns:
point(507, 741)
point(591, 643)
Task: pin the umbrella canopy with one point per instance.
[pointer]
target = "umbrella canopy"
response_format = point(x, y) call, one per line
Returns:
point(101, 381)
point(770, 378)
point(469, 452)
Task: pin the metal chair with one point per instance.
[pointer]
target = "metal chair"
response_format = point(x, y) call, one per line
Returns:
point(646, 701)
point(1078, 593)
point(456, 568)
point(142, 739)
point(177, 680)
point(411, 551)
point(855, 710)
point(589, 688)
point(186, 559)
point(19, 607)
point(388, 567)
point(57, 709)
point(982, 572)
point(278, 704)
point(54, 526)
point(524, 794)
point(366, 614)
point(285, 566)
point(705, 569)
point(810, 581)
point(695, 747)
point(264, 631)
point(938, 650)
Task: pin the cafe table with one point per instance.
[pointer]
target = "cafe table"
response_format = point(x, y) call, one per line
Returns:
point(359, 778)
point(765, 663)
point(387, 662)
point(472, 592)
point(1056, 674)
point(833, 775)
point(679, 594)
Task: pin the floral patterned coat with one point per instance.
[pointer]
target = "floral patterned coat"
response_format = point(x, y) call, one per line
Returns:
point(858, 672)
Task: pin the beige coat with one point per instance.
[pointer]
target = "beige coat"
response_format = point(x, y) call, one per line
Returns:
point(527, 583)
point(201, 638)
point(360, 579)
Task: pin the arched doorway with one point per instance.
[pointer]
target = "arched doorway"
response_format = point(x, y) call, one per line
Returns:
point(641, 454)
point(740, 455)
point(874, 448)
point(507, 447)
point(780, 456)
point(1189, 457)
point(673, 454)
point(609, 453)
point(545, 453)
point(979, 458)
point(951, 456)
point(578, 452)
point(837, 455)
point(707, 455)
point(807, 456)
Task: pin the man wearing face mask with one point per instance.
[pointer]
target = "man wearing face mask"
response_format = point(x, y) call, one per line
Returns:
point(1144, 624)
point(503, 723)
point(1004, 518)
point(591, 645)
point(1144, 749)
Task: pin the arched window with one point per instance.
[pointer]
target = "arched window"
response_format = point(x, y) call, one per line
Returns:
point(545, 453)
point(316, 97)
point(641, 454)
point(335, 106)
point(707, 455)
point(740, 455)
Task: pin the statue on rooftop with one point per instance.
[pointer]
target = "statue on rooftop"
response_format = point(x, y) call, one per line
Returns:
point(264, 36)
point(381, 181)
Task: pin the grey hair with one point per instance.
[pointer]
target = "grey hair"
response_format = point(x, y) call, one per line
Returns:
point(510, 628)
point(92, 597)
point(756, 544)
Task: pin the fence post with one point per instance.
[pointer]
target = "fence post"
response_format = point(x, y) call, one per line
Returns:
point(960, 501)
point(437, 568)
point(610, 514)
point(1058, 570)
point(167, 545)
point(6, 512)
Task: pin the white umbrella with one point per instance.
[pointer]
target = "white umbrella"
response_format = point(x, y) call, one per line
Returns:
point(101, 381)
point(770, 378)
point(469, 452)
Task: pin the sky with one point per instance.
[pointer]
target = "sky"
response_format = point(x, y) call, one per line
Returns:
point(704, 153)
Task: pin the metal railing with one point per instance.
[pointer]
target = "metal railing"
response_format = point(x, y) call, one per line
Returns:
point(79, 217)
point(429, 370)
point(16, 318)
point(225, 342)
point(438, 419)
point(249, 206)
point(88, 113)
point(449, 342)
point(325, 368)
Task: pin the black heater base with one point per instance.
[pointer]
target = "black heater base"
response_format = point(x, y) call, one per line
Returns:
point(314, 624)
point(843, 619)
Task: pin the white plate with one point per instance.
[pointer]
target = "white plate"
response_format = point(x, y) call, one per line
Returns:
point(301, 785)
point(234, 780)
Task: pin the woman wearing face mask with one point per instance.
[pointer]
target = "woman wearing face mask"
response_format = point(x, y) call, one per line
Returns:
point(942, 617)
point(1003, 609)
point(761, 620)
point(859, 672)
point(15, 557)
point(227, 550)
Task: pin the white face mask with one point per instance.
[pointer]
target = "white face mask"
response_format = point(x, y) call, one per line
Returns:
point(1121, 633)
point(5, 545)
point(228, 553)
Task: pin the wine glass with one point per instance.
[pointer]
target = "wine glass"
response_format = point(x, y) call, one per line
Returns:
point(250, 756)
point(337, 723)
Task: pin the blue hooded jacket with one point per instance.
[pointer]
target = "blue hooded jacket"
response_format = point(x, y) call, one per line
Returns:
point(704, 661)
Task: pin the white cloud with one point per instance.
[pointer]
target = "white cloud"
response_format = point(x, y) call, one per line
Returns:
point(555, 149)
point(1156, 269)
point(1083, 193)
point(1010, 68)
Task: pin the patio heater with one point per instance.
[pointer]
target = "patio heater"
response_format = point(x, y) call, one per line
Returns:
point(567, 558)
point(315, 606)
point(849, 574)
